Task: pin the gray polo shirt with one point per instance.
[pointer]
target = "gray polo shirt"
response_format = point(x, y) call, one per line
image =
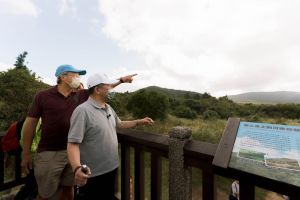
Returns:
point(94, 128)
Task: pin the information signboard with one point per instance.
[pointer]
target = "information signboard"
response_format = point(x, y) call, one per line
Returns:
point(268, 150)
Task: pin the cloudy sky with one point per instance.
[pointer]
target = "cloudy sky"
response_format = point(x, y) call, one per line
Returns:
point(216, 46)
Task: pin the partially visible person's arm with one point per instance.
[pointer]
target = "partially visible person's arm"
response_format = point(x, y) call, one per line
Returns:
point(125, 79)
point(74, 159)
point(28, 135)
point(235, 189)
point(73, 154)
point(133, 123)
point(75, 137)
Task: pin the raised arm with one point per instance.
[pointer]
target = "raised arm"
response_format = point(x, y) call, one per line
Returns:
point(124, 79)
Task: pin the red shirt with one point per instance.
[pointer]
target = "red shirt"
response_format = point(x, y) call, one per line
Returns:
point(55, 110)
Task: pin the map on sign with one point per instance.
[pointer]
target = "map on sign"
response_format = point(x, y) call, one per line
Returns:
point(268, 150)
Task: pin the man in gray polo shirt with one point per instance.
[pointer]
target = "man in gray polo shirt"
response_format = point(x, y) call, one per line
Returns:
point(92, 140)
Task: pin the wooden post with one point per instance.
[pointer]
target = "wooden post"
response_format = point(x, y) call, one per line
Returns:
point(180, 175)
point(139, 177)
point(125, 172)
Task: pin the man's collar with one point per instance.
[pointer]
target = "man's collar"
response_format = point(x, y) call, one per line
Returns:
point(56, 90)
point(96, 104)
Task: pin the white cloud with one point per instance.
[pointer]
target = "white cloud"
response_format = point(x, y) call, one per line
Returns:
point(217, 46)
point(67, 6)
point(18, 7)
point(50, 81)
point(4, 67)
point(95, 26)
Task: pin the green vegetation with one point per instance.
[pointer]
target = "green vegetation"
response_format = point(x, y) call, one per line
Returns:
point(192, 105)
point(20, 62)
point(17, 86)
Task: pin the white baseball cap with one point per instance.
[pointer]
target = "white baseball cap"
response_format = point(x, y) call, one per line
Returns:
point(97, 79)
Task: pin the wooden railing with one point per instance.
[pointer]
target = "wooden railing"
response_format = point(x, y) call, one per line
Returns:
point(17, 180)
point(194, 153)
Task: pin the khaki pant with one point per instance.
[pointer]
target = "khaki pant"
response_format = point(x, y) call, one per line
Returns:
point(52, 170)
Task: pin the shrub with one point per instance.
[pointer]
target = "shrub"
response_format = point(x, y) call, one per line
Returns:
point(148, 103)
point(210, 114)
point(185, 112)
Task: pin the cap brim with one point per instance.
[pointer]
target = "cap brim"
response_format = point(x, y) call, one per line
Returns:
point(109, 81)
point(82, 72)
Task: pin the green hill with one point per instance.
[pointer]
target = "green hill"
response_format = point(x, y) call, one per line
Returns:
point(173, 93)
point(278, 97)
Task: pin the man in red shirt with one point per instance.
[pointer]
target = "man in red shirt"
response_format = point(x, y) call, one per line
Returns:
point(55, 106)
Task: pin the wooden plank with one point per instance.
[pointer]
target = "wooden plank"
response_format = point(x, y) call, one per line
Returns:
point(125, 172)
point(208, 184)
point(151, 141)
point(225, 147)
point(12, 184)
point(247, 190)
point(199, 151)
point(139, 174)
point(156, 177)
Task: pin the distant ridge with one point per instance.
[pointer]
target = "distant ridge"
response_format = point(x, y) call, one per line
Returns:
point(171, 92)
point(278, 97)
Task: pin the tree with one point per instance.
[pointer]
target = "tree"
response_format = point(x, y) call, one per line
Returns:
point(148, 103)
point(20, 62)
point(117, 100)
point(210, 114)
point(187, 95)
point(206, 95)
point(17, 87)
point(185, 112)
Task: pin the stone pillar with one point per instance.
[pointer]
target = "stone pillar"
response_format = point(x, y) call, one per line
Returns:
point(180, 176)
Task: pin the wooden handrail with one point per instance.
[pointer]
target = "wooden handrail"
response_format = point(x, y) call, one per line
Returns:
point(157, 143)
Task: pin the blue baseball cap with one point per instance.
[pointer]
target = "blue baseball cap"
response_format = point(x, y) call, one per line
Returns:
point(68, 68)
